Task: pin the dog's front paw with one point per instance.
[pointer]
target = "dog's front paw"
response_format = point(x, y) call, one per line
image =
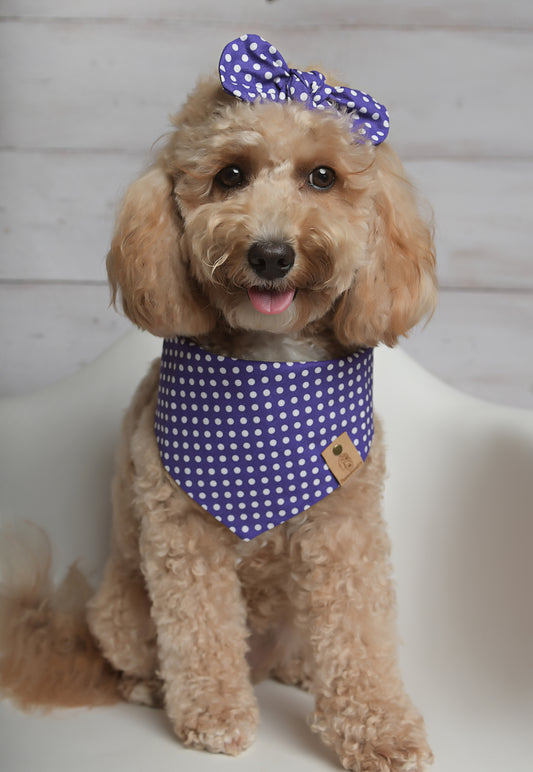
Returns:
point(374, 738)
point(219, 728)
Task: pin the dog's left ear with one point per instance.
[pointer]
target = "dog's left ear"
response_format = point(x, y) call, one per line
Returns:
point(396, 287)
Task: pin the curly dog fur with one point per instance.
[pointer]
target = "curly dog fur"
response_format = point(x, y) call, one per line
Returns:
point(187, 614)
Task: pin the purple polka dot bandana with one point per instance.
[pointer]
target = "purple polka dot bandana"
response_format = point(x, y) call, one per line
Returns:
point(244, 438)
point(253, 70)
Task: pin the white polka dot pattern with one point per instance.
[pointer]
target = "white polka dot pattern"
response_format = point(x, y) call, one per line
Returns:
point(253, 70)
point(244, 439)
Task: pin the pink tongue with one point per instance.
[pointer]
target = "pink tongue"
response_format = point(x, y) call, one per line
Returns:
point(270, 302)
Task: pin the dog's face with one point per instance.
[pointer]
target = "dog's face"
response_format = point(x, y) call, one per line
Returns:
point(272, 217)
point(275, 214)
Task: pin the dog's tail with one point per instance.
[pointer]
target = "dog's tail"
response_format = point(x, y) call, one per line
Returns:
point(48, 657)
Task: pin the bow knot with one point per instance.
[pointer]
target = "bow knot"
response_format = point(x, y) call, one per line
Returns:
point(253, 70)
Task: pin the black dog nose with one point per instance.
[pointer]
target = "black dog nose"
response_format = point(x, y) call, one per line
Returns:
point(271, 259)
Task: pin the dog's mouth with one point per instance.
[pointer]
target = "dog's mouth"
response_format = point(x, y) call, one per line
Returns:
point(270, 302)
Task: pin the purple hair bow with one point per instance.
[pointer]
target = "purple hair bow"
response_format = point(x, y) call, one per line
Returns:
point(252, 69)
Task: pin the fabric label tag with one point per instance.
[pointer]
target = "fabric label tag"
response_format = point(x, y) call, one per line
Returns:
point(342, 458)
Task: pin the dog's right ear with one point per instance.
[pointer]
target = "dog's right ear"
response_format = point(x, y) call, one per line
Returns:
point(146, 265)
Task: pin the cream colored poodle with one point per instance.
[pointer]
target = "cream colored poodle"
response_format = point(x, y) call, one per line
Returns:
point(247, 538)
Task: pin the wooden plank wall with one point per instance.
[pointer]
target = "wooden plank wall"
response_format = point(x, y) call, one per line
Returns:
point(86, 88)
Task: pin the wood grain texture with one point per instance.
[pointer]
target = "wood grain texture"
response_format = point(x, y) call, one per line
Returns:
point(480, 343)
point(85, 84)
point(86, 88)
point(50, 331)
point(58, 211)
point(483, 225)
point(512, 14)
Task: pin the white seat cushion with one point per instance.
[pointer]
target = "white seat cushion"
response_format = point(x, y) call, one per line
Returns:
point(459, 505)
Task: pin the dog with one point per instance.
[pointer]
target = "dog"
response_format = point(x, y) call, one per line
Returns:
point(273, 243)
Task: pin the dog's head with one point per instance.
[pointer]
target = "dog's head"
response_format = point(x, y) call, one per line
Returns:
point(270, 216)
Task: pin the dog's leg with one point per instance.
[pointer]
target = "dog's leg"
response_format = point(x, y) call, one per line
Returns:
point(189, 565)
point(188, 562)
point(344, 603)
point(119, 618)
point(119, 613)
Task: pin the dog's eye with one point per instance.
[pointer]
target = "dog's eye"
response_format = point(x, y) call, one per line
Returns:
point(230, 177)
point(322, 178)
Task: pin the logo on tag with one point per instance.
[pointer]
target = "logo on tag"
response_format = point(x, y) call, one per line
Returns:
point(342, 458)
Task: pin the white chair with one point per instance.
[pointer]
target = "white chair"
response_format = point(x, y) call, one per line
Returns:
point(459, 506)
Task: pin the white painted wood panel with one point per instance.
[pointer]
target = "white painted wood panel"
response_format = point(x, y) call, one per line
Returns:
point(50, 331)
point(111, 85)
point(483, 222)
point(58, 209)
point(57, 212)
point(86, 87)
point(479, 13)
point(481, 343)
